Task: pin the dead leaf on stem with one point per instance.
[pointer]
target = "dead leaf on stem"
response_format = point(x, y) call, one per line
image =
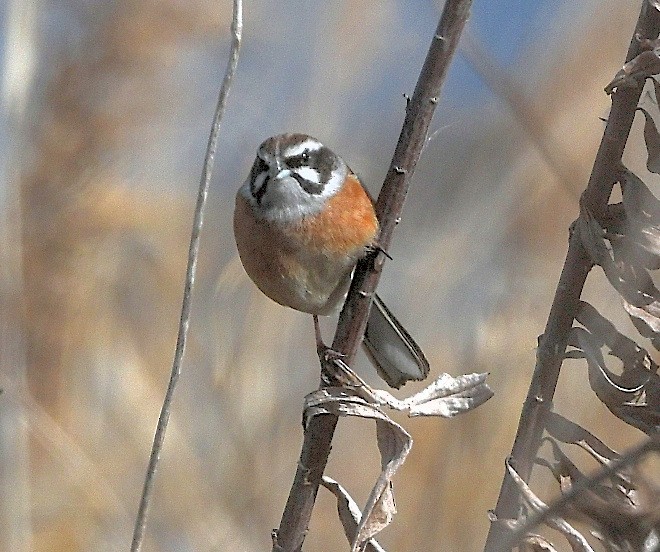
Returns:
point(571, 433)
point(394, 444)
point(634, 394)
point(652, 140)
point(636, 70)
point(623, 252)
point(576, 540)
point(623, 511)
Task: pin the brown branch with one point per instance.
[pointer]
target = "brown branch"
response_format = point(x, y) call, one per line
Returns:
point(353, 318)
point(577, 265)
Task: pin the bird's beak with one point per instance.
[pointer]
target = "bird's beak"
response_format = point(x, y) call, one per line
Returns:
point(278, 173)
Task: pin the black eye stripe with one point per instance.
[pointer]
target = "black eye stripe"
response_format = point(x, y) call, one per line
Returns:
point(296, 161)
point(325, 162)
point(259, 167)
point(322, 159)
point(312, 188)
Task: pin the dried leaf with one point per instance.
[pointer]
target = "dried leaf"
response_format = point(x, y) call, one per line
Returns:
point(636, 70)
point(624, 513)
point(568, 475)
point(629, 242)
point(631, 281)
point(637, 362)
point(593, 238)
point(574, 353)
point(652, 139)
point(642, 208)
point(647, 324)
point(536, 543)
point(393, 442)
point(656, 90)
point(599, 376)
point(446, 396)
point(602, 380)
point(349, 513)
point(573, 536)
point(571, 433)
point(633, 396)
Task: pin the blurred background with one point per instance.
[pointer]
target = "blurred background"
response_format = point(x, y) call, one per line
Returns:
point(105, 113)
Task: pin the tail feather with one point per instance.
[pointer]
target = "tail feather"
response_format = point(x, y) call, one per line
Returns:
point(391, 349)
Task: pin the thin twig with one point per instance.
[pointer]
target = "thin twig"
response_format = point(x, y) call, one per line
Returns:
point(577, 265)
point(193, 250)
point(558, 507)
point(353, 318)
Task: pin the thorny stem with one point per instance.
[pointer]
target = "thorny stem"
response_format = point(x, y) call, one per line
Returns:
point(577, 265)
point(353, 318)
point(193, 251)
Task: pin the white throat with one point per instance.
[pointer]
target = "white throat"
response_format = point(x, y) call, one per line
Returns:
point(285, 200)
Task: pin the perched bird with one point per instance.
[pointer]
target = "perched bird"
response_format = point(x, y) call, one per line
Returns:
point(302, 221)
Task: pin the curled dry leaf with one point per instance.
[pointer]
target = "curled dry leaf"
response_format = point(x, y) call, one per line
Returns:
point(592, 236)
point(571, 433)
point(656, 90)
point(642, 208)
point(629, 403)
point(634, 395)
point(636, 70)
point(647, 324)
point(567, 474)
point(576, 540)
point(536, 543)
point(630, 279)
point(446, 396)
point(642, 211)
point(652, 139)
point(394, 444)
point(349, 513)
point(629, 243)
point(632, 282)
point(637, 361)
point(625, 513)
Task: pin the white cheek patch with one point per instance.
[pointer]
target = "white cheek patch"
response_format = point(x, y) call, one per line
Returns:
point(335, 181)
point(259, 182)
point(308, 173)
point(309, 145)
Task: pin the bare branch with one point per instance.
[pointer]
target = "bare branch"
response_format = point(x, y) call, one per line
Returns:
point(193, 250)
point(552, 345)
point(353, 318)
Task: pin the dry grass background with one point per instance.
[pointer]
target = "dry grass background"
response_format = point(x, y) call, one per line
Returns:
point(118, 119)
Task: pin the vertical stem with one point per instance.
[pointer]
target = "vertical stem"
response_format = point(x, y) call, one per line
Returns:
point(577, 265)
point(186, 305)
point(353, 319)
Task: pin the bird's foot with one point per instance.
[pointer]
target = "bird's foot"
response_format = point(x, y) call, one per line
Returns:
point(331, 361)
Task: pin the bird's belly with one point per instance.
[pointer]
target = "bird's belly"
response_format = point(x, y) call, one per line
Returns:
point(296, 275)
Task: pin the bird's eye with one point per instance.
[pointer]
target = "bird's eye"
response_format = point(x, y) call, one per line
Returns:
point(297, 161)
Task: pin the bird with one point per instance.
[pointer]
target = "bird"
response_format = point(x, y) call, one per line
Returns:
point(302, 221)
